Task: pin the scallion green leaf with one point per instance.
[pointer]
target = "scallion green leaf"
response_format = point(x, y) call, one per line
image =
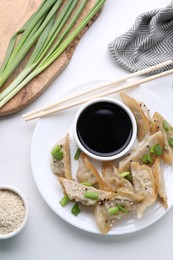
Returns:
point(57, 153)
point(158, 149)
point(170, 141)
point(147, 158)
point(75, 209)
point(64, 201)
point(77, 154)
point(113, 211)
point(40, 63)
point(91, 195)
point(165, 125)
point(124, 174)
point(86, 184)
point(120, 207)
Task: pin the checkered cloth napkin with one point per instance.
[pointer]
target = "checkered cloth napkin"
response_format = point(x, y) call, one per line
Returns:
point(148, 42)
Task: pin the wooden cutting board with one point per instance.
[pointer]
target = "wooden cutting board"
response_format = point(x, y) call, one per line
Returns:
point(13, 15)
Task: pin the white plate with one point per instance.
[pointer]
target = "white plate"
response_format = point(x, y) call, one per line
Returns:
point(49, 130)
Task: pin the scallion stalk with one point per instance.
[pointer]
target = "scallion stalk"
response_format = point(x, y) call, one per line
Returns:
point(33, 69)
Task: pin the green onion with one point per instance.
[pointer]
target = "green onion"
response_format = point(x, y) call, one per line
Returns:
point(122, 208)
point(113, 211)
point(57, 153)
point(77, 154)
point(171, 128)
point(42, 62)
point(165, 125)
point(147, 158)
point(86, 183)
point(170, 141)
point(13, 39)
point(124, 174)
point(64, 201)
point(23, 46)
point(129, 178)
point(158, 149)
point(75, 209)
point(151, 149)
point(91, 195)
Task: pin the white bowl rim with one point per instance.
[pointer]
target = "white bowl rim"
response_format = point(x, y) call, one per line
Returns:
point(133, 121)
point(16, 231)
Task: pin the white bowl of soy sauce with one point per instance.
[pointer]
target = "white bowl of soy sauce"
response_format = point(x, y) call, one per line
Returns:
point(105, 129)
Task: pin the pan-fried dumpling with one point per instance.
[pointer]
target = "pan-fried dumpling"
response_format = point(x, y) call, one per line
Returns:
point(123, 199)
point(113, 207)
point(79, 192)
point(60, 161)
point(161, 124)
point(137, 153)
point(144, 184)
point(112, 179)
point(104, 219)
point(160, 182)
point(86, 172)
point(142, 120)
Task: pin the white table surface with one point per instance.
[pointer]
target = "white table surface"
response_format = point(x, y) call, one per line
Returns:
point(46, 235)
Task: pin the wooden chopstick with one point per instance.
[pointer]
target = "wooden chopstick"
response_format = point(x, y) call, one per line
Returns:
point(63, 104)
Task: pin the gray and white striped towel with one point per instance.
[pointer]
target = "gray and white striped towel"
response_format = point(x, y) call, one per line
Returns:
point(148, 42)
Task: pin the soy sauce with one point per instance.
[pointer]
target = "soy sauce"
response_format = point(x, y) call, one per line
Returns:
point(104, 128)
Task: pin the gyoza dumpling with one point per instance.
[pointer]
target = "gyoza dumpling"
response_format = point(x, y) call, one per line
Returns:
point(160, 182)
point(142, 120)
point(144, 184)
point(104, 219)
point(137, 153)
point(112, 179)
point(86, 172)
point(60, 161)
point(113, 207)
point(81, 193)
point(161, 124)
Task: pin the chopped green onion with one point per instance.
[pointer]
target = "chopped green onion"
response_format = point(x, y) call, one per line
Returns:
point(86, 183)
point(151, 149)
point(64, 200)
point(122, 208)
point(165, 125)
point(129, 178)
point(91, 195)
point(147, 158)
point(77, 154)
point(124, 174)
point(158, 149)
point(75, 210)
point(113, 211)
point(170, 141)
point(57, 153)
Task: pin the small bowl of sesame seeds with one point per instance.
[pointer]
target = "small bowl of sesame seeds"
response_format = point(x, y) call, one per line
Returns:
point(13, 211)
